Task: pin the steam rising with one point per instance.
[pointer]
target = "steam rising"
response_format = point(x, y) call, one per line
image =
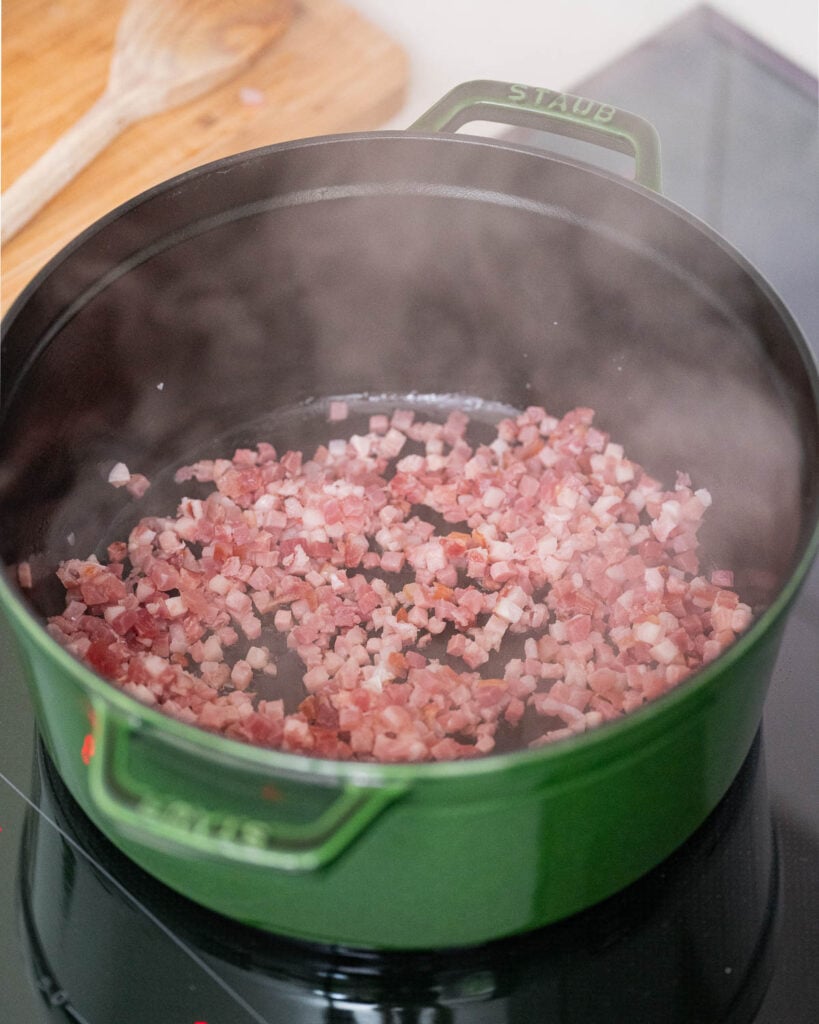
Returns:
point(393, 265)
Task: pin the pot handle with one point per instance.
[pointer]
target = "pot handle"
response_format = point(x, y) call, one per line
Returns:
point(187, 828)
point(562, 113)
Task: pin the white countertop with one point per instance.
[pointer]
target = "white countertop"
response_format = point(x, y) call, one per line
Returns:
point(554, 43)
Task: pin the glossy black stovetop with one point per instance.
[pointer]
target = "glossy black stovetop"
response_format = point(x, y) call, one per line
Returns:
point(727, 930)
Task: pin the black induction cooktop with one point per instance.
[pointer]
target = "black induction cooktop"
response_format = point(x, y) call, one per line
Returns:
point(726, 930)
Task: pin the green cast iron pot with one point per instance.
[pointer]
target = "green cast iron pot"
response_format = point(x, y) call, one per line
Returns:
point(227, 305)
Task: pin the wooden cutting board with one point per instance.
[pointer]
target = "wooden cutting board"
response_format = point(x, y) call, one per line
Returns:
point(332, 71)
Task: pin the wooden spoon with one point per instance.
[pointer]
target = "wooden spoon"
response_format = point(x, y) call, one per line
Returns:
point(166, 53)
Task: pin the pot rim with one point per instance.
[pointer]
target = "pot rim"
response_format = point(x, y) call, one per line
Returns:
point(638, 727)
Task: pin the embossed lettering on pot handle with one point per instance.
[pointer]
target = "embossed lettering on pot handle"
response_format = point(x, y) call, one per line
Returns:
point(526, 106)
point(188, 828)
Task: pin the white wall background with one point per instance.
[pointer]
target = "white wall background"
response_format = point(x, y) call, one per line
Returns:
point(555, 42)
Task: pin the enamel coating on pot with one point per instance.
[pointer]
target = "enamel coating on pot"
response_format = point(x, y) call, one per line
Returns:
point(461, 854)
point(399, 856)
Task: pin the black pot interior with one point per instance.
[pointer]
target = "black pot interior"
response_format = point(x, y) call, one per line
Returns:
point(393, 265)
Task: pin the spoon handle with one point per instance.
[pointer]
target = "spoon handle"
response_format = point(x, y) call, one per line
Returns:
point(72, 151)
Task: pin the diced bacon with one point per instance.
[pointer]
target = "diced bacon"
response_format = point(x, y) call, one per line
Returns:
point(722, 578)
point(578, 628)
point(547, 705)
point(741, 618)
point(665, 652)
point(493, 497)
point(507, 610)
point(393, 561)
point(251, 626)
point(337, 411)
point(257, 657)
point(241, 674)
point(119, 475)
point(392, 443)
point(219, 584)
point(137, 484)
point(474, 654)
point(562, 564)
point(402, 419)
point(237, 602)
point(175, 606)
point(648, 631)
